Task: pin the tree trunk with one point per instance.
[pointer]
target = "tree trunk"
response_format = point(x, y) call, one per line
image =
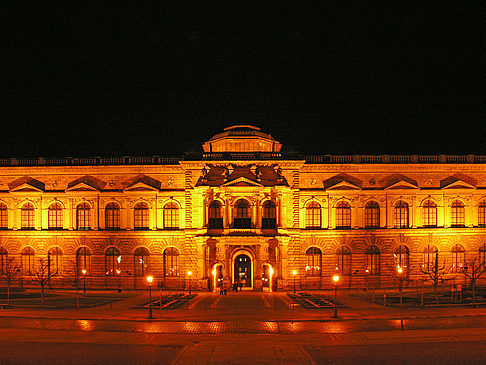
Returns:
point(473, 291)
point(42, 294)
point(8, 293)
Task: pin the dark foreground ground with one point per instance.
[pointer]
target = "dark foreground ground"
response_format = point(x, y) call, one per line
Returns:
point(242, 328)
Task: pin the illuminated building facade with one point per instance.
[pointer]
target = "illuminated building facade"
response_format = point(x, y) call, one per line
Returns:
point(243, 210)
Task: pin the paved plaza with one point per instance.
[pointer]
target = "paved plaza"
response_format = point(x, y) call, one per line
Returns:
point(244, 327)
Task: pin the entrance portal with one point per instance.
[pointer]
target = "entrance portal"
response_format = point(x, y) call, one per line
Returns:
point(242, 270)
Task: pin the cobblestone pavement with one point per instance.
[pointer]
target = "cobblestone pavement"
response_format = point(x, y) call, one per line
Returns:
point(240, 328)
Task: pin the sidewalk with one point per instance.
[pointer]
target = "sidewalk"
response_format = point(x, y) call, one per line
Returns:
point(242, 306)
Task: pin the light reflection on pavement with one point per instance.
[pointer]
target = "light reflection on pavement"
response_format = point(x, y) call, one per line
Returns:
point(241, 327)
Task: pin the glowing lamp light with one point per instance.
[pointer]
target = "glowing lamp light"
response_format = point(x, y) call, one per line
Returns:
point(150, 278)
point(400, 270)
point(83, 271)
point(294, 272)
point(270, 271)
point(335, 278)
point(189, 273)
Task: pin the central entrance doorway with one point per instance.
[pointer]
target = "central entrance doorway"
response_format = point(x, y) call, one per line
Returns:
point(242, 270)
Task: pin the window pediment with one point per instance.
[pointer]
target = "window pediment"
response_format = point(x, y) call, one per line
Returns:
point(344, 185)
point(342, 182)
point(86, 183)
point(140, 186)
point(456, 183)
point(142, 183)
point(402, 184)
point(26, 184)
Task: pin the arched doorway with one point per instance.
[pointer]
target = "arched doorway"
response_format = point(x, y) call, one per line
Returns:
point(243, 270)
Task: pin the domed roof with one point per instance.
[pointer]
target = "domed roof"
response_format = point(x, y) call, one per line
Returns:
point(242, 138)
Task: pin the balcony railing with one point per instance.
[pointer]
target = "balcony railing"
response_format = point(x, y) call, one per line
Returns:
point(310, 159)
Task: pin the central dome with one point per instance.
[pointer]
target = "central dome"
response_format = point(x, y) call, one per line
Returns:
point(242, 138)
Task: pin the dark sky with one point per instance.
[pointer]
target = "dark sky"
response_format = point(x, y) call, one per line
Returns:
point(99, 80)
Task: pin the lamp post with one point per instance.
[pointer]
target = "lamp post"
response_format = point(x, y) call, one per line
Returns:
point(150, 278)
point(84, 280)
point(189, 273)
point(335, 278)
point(294, 273)
point(400, 281)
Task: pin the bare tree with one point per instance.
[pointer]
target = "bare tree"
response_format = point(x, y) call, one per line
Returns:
point(473, 269)
point(42, 275)
point(11, 272)
point(434, 273)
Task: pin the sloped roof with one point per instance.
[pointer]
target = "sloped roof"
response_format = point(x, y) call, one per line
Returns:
point(86, 182)
point(142, 182)
point(342, 181)
point(26, 183)
point(458, 181)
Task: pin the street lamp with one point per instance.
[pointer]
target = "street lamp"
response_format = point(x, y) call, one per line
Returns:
point(400, 281)
point(189, 273)
point(84, 280)
point(150, 278)
point(335, 278)
point(294, 273)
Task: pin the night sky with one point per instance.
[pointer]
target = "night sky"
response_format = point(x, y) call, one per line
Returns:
point(99, 80)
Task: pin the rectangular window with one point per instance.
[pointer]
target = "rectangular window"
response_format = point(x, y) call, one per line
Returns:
point(3, 216)
point(27, 219)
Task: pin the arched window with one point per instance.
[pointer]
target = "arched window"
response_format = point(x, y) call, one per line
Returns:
point(27, 260)
point(458, 257)
point(141, 261)
point(313, 215)
point(242, 214)
point(215, 220)
point(27, 216)
point(3, 259)
point(141, 216)
point(83, 212)
point(171, 264)
point(343, 260)
point(54, 260)
point(54, 220)
point(430, 256)
point(372, 215)
point(482, 254)
point(457, 214)
point(343, 215)
point(171, 216)
point(314, 261)
point(400, 215)
point(112, 216)
point(372, 260)
point(3, 216)
point(83, 261)
point(402, 258)
point(269, 219)
point(429, 214)
point(112, 261)
point(482, 214)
